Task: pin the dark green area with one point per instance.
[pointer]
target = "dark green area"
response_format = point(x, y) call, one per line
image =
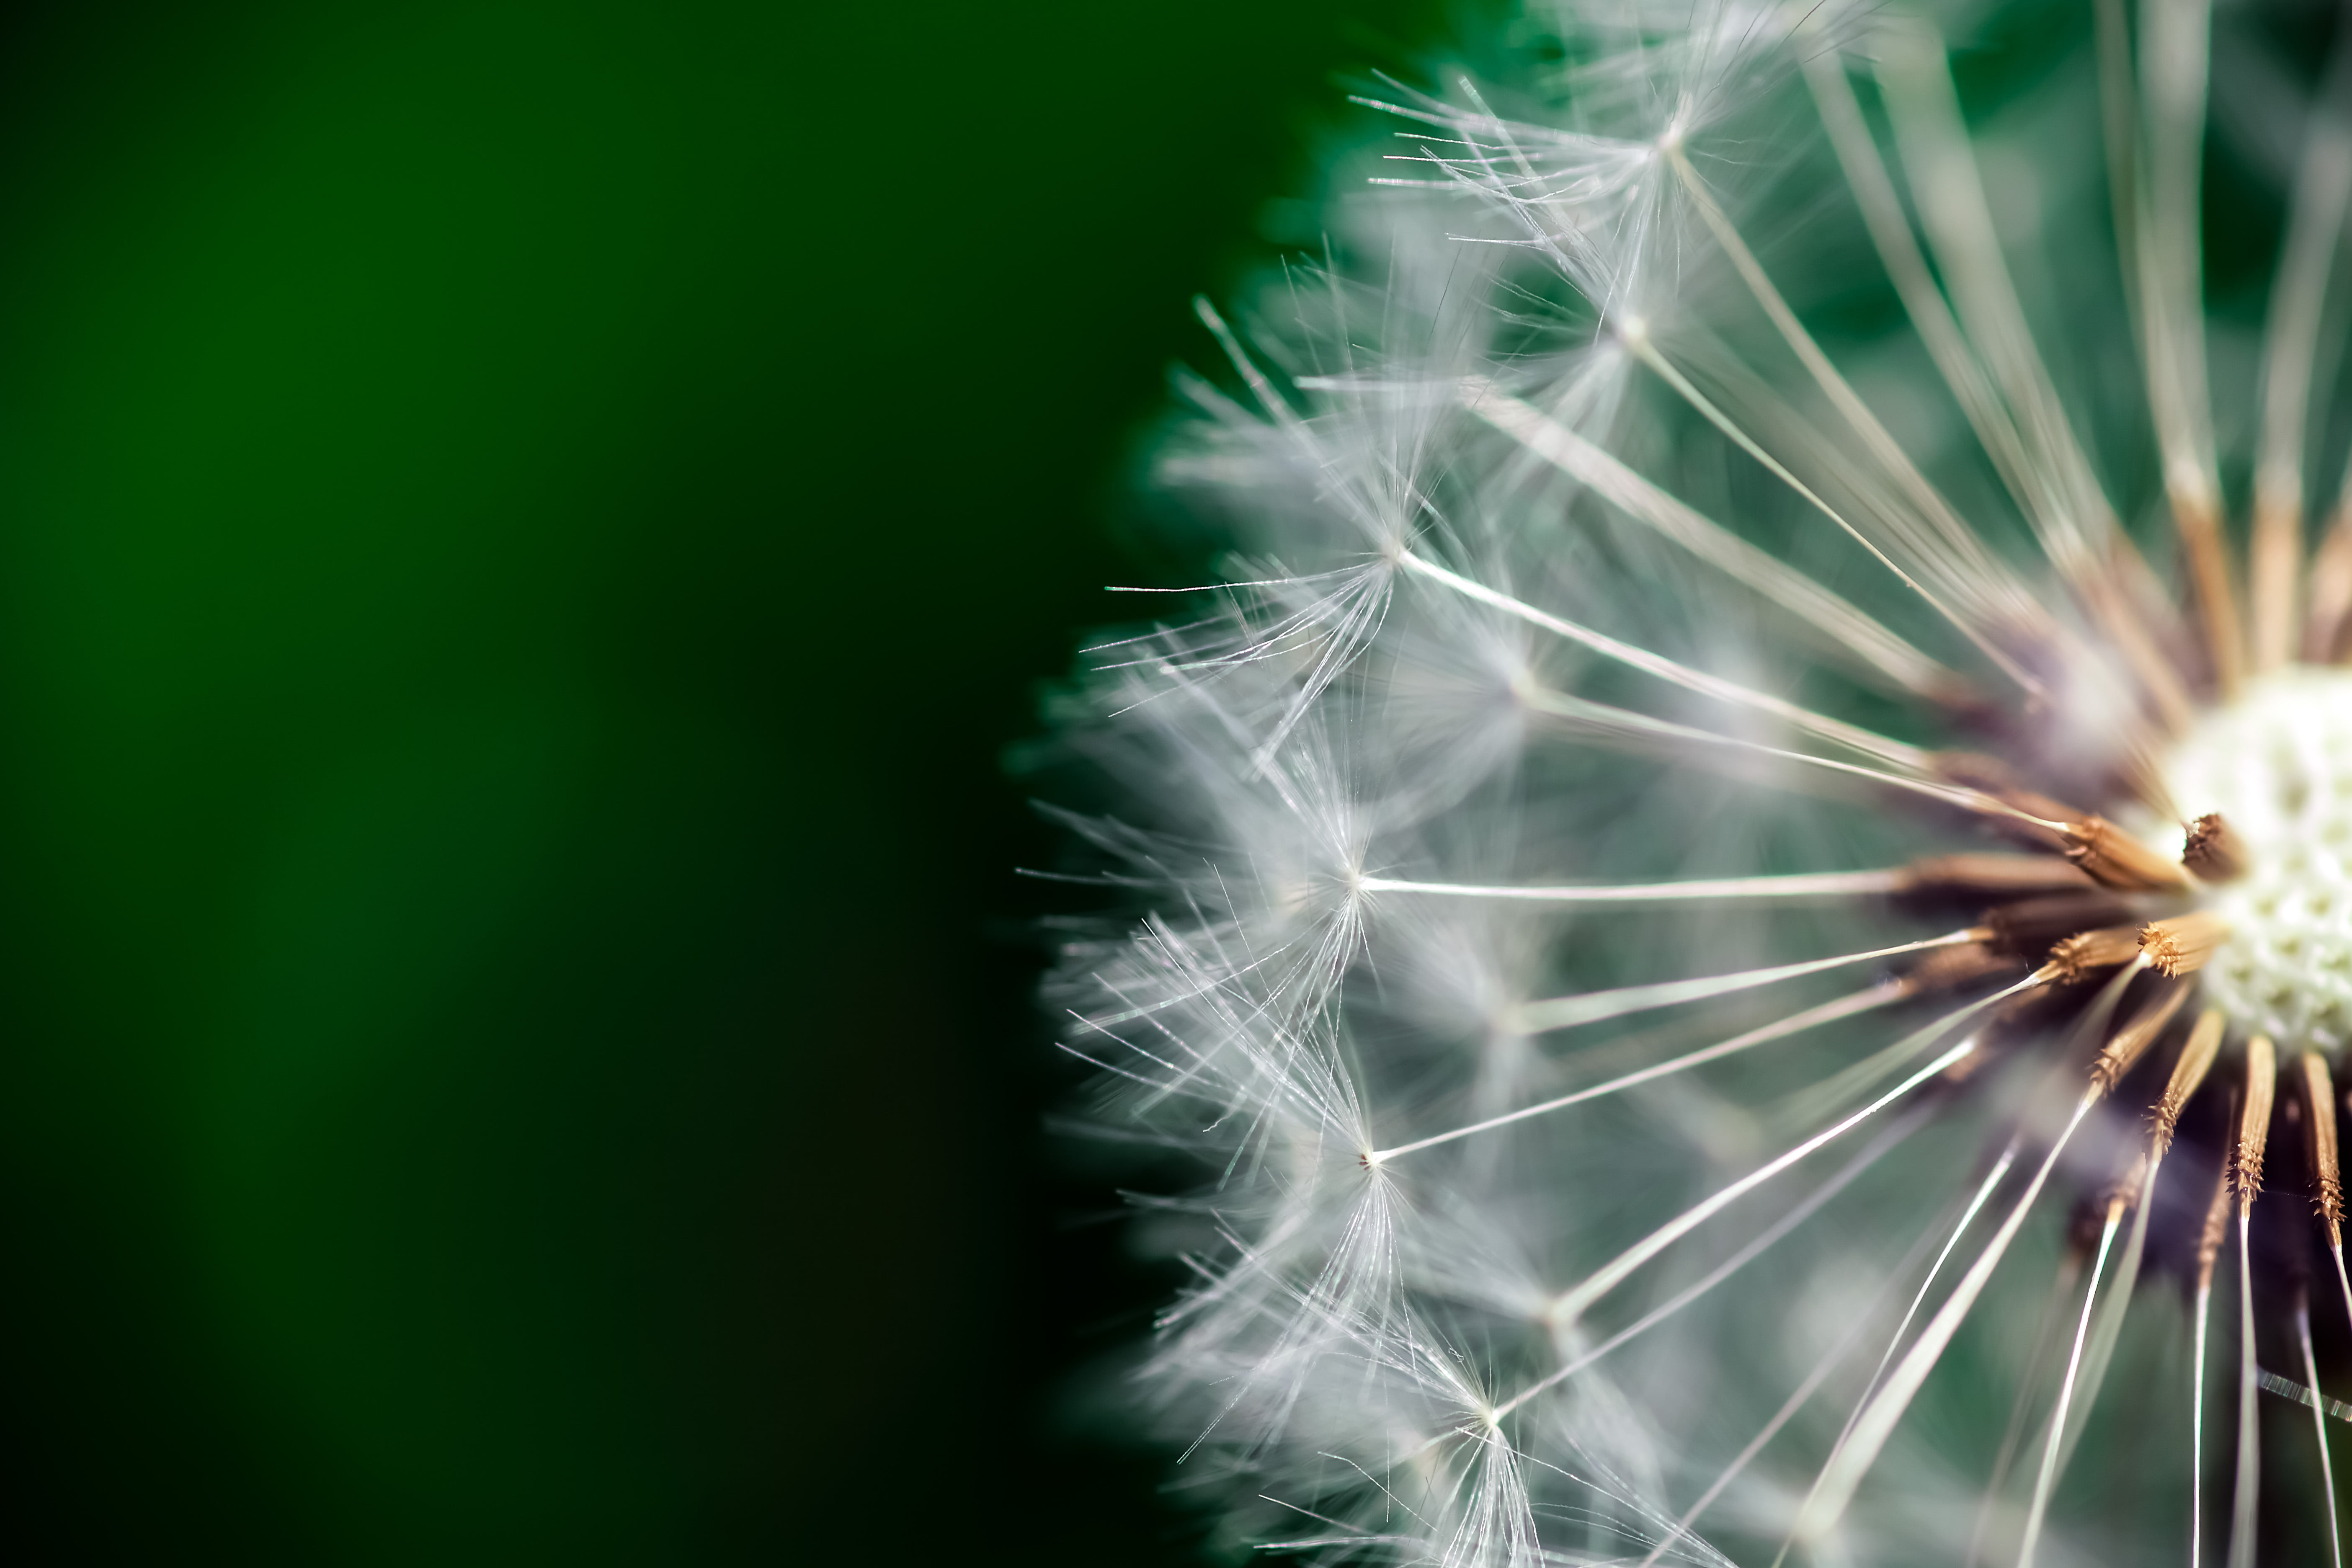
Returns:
point(523, 530)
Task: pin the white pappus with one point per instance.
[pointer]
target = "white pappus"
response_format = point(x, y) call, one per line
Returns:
point(1745, 897)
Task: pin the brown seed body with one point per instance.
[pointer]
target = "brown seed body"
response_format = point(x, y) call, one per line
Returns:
point(2212, 851)
point(2114, 858)
point(2187, 1073)
point(2217, 1228)
point(2319, 1131)
point(2181, 945)
point(2128, 1044)
point(2086, 951)
point(2254, 1121)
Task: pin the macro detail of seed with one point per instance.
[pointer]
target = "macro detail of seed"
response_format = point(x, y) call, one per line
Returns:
point(1730, 933)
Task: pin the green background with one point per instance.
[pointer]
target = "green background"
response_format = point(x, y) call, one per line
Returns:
point(524, 529)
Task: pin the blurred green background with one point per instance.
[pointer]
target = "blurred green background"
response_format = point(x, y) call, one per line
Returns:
point(524, 529)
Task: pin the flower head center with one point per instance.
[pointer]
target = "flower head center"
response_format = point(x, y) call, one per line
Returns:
point(2278, 765)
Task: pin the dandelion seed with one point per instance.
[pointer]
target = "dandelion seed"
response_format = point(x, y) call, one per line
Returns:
point(1749, 683)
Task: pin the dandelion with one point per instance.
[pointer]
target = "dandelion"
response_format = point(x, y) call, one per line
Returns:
point(1745, 897)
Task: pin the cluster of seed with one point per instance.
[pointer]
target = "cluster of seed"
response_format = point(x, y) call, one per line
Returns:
point(2277, 765)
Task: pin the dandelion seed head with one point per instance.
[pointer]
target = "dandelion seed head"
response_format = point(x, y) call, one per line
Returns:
point(1729, 890)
